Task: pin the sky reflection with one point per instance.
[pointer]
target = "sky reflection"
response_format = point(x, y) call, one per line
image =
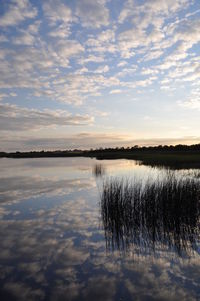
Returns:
point(59, 250)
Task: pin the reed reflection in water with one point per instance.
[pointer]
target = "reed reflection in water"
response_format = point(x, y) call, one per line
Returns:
point(152, 215)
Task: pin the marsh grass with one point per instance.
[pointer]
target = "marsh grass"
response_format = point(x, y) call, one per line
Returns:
point(164, 212)
point(98, 170)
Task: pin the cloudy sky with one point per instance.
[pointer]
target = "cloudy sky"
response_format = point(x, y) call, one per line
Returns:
point(84, 73)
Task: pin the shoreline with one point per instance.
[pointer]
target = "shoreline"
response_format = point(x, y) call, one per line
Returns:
point(154, 156)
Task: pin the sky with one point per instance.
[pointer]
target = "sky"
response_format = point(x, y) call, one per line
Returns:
point(88, 74)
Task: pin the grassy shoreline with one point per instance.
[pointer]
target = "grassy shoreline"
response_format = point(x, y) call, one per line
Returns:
point(173, 159)
point(170, 156)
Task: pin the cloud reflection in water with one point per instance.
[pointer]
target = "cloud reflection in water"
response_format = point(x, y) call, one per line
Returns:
point(59, 251)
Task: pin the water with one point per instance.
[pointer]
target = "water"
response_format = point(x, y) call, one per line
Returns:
point(53, 244)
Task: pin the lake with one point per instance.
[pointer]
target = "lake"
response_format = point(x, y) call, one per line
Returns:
point(59, 241)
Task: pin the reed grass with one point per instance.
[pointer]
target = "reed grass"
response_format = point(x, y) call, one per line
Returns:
point(98, 170)
point(162, 212)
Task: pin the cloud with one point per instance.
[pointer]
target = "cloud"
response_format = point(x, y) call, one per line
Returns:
point(68, 48)
point(103, 42)
point(138, 37)
point(107, 36)
point(102, 69)
point(3, 95)
point(149, 71)
point(60, 32)
point(152, 55)
point(73, 52)
point(56, 10)
point(92, 13)
point(191, 103)
point(116, 91)
point(36, 70)
point(17, 12)
point(82, 141)
point(150, 11)
point(122, 64)
point(14, 118)
point(3, 38)
point(186, 31)
point(127, 71)
point(24, 39)
point(91, 58)
point(27, 37)
point(60, 141)
point(148, 26)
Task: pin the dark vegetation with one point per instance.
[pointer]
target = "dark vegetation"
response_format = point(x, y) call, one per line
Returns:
point(151, 215)
point(98, 170)
point(179, 156)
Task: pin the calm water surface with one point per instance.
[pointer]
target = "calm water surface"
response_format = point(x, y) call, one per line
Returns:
point(53, 244)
